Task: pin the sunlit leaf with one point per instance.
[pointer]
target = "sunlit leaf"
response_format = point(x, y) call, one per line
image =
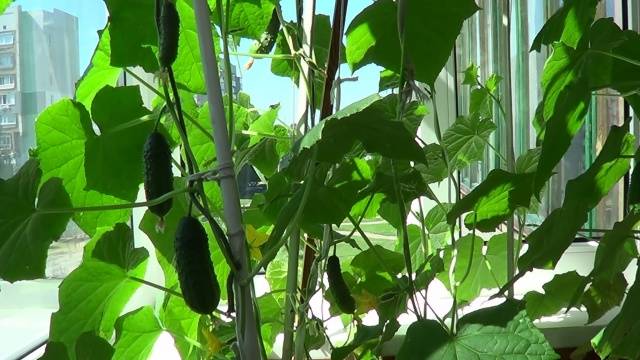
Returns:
point(136, 333)
point(99, 73)
point(549, 241)
point(372, 36)
point(465, 141)
point(93, 295)
point(569, 24)
point(558, 294)
point(61, 132)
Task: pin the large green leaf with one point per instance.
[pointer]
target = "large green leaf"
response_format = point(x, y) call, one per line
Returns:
point(493, 201)
point(136, 333)
point(500, 332)
point(99, 73)
point(558, 294)
point(25, 232)
point(372, 36)
point(549, 241)
point(61, 131)
point(474, 270)
point(565, 104)
point(369, 262)
point(620, 337)
point(93, 296)
point(569, 24)
point(465, 141)
point(188, 65)
point(106, 172)
point(248, 18)
point(617, 248)
point(368, 121)
point(132, 25)
point(4, 4)
point(182, 323)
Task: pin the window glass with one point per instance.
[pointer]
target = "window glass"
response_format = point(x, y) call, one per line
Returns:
point(7, 119)
point(6, 61)
point(483, 42)
point(6, 38)
point(5, 141)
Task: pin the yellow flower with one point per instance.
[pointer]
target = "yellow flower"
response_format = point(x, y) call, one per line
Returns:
point(255, 239)
point(365, 301)
point(213, 343)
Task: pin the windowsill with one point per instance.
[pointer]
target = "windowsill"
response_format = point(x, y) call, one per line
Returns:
point(25, 309)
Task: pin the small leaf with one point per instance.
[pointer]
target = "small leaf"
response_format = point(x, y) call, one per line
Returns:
point(388, 80)
point(471, 75)
point(493, 201)
point(136, 333)
point(25, 233)
point(465, 141)
point(558, 294)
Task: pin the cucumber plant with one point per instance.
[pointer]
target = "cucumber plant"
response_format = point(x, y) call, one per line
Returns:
point(330, 176)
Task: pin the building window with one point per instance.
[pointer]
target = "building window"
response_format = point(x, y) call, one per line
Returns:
point(6, 38)
point(7, 61)
point(7, 81)
point(8, 99)
point(5, 141)
point(8, 119)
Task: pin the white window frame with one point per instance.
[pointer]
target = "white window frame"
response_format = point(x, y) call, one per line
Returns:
point(12, 57)
point(6, 142)
point(7, 33)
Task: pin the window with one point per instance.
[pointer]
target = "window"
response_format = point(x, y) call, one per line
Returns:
point(6, 38)
point(8, 119)
point(7, 81)
point(7, 61)
point(5, 141)
point(8, 99)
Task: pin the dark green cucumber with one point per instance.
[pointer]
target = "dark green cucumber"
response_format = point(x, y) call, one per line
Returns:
point(338, 287)
point(158, 177)
point(168, 33)
point(196, 274)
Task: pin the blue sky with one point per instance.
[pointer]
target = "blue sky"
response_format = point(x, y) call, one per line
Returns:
point(265, 88)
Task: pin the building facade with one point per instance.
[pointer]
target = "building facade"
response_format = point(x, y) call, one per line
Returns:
point(39, 64)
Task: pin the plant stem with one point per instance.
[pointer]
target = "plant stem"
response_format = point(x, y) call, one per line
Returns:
point(248, 326)
point(291, 292)
point(155, 201)
point(156, 286)
point(264, 56)
point(162, 96)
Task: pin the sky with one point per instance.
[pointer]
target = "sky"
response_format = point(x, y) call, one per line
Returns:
point(265, 88)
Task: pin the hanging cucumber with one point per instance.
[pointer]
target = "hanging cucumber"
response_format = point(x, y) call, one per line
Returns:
point(158, 177)
point(338, 286)
point(168, 32)
point(196, 274)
